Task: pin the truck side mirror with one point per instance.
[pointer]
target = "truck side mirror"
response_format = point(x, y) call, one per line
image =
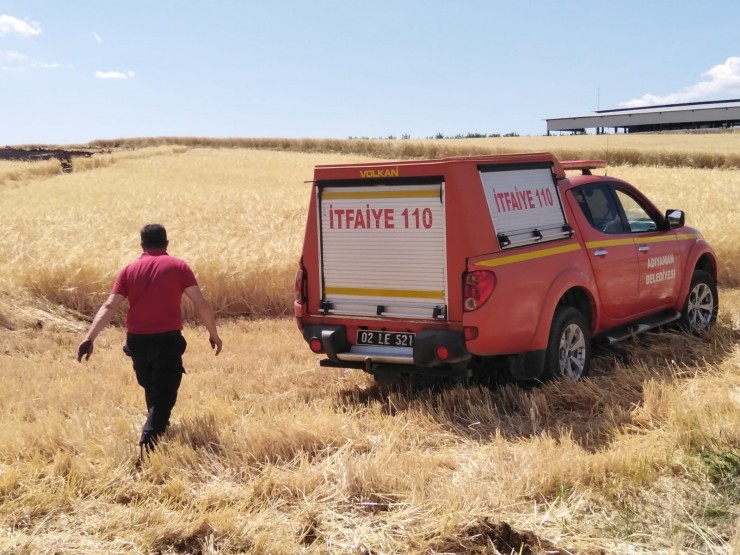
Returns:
point(675, 218)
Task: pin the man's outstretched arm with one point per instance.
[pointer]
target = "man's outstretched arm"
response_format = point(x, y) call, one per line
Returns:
point(206, 315)
point(102, 318)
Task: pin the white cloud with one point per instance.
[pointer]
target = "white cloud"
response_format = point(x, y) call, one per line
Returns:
point(50, 65)
point(9, 56)
point(115, 75)
point(11, 61)
point(10, 25)
point(17, 62)
point(97, 38)
point(720, 81)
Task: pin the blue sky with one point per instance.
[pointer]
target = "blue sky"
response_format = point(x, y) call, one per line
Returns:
point(79, 70)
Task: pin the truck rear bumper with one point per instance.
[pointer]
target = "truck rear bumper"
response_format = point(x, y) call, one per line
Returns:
point(426, 352)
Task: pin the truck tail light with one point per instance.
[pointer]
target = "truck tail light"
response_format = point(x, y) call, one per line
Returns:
point(315, 345)
point(478, 288)
point(300, 284)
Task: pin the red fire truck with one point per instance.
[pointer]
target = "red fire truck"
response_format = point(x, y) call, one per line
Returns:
point(439, 266)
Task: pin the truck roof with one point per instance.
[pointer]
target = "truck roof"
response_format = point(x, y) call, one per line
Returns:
point(429, 167)
point(420, 168)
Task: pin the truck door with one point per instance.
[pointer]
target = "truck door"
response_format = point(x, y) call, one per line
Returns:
point(611, 250)
point(383, 249)
point(658, 254)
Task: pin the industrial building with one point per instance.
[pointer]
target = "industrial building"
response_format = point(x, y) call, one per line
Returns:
point(714, 114)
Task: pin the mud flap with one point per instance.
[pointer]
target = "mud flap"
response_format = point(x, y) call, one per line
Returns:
point(527, 366)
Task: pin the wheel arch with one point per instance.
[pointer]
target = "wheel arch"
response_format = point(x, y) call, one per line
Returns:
point(701, 257)
point(578, 298)
point(707, 263)
point(571, 288)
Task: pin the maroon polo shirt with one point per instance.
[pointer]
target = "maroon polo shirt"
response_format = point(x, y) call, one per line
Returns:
point(154, 285)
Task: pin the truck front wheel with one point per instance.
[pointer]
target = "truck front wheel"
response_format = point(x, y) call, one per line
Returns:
point(569, 346)
point(700, 309)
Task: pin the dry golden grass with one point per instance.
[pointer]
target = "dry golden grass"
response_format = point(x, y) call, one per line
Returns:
point(691, 150)
point(238, 217)
point(269, 453)
point(725, 143)
point(14, 173)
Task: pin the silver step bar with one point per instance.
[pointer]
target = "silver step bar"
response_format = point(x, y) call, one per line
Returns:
point(386, 355)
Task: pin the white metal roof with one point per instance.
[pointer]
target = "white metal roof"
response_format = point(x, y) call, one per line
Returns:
point(695, 112)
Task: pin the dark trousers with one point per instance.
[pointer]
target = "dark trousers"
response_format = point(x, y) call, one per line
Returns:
point(157, 362)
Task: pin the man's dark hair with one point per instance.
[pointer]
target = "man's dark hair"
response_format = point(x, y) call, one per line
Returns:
point(153, 236)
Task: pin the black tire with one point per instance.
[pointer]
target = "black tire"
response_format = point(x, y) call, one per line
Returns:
point(568, 353)
point(702, 302)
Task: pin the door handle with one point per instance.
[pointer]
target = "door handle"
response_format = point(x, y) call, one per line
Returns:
point(643, 248)
point(601, 252)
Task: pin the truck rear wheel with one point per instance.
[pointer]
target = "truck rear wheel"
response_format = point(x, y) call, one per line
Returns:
point(700, 309)
point(569, 346)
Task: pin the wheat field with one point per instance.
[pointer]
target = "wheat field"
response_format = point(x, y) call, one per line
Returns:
point(269, 453)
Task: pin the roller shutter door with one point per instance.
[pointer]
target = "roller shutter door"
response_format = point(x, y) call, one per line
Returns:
point(524, 204)
point(383, 250)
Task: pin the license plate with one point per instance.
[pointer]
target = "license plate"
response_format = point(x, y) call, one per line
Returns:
point(385, 338)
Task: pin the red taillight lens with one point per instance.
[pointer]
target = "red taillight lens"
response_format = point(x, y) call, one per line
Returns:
point(443, 353)
point(300, 285)
point(478, 288)
point(315, 345)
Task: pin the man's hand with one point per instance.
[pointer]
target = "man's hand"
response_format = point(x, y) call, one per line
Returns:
point(102, 317)
point(216, 343)
point(84, 349)
point(206, 314)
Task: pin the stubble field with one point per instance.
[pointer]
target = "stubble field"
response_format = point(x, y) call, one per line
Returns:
point(268, 453)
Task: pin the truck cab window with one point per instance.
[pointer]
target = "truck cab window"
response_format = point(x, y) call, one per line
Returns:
point(638, 218)
point(600, 208)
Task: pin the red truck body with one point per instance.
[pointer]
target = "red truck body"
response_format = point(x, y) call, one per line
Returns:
point(429, 266)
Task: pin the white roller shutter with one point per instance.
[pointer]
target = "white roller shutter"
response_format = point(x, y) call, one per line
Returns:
point(383, 250)
point(524, 205)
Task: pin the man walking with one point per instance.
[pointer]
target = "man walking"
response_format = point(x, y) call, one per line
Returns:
point(154, 285)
